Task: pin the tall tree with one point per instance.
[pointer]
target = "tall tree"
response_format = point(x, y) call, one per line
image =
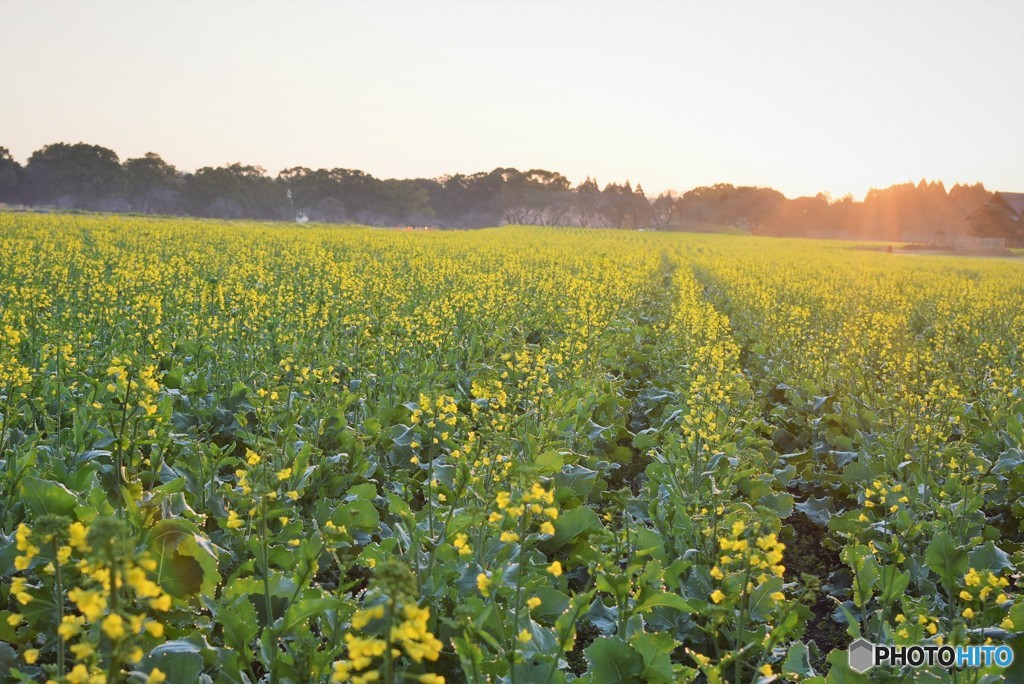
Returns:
point(236, 191)
point(151, 185)
point(11, 177)
point(74, 176)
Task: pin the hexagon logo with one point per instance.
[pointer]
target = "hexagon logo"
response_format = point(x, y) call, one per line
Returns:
point(862, 656)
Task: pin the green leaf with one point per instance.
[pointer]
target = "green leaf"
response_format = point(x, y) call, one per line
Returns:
point(988, 556)
point(302, 610)
point(548, 462)
point(893, 583)
point(613, 661)
point(658, 599)
point(656, 651)
point(865, 571)
point(646, 439)
point(818, 510)
point(46, 496)
point(403, 435)
point(358, 514)
point(366, 490)
point(570, 526)
point(761, 604)
point(180, 660)
point(186, 562)
point(840, 672)
point(798, 661)
point(8, 659)
point(7, 631)
point(779, 502)
point(947, 560)
point(1009, 460)
point(577, 478)
point(239, 620)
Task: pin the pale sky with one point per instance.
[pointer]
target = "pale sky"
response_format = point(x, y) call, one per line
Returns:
point(800, 96)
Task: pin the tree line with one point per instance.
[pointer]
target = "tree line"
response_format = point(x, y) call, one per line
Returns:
point(90, 177)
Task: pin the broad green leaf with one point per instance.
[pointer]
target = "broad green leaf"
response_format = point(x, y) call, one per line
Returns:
point(893, 583)
point(840, 672)
point(656, 651)
point(548, 462)
point(613, 661)
point(865, 571)
point(947, 560)
point(658, 599)
point(358, 514)
point(46, 496)
point(304, 609)
point(988, 556)
point(186, 562)
point(239, 621)
point(180, 660)
point(570, 526)
point(817, 510)
point(798, 661)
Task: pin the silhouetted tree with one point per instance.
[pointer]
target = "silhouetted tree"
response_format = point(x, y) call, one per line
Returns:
point(11, 177)
point(74, 176)
point(236, 191)
point(588, 203)
point(151, 185)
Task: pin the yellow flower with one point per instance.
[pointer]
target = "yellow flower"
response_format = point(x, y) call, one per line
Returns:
point(162, 603)
point(483, 583)
point(83, 650)
point(968, 613)
point(966, 595)
point(113, 626)
point(70, 626)
point(532, 602)
point(156, 676)
point(14, 619)
point(717, 596)
point(716, 573)
point(90, 603)
point(765, 670)
point(430, 679)
point(555, 569)
point(284, 474)
point(547, 528)
point(778, 596)
point(525, 636)
point(234, 522)
point(31, 655)
point(79, 675)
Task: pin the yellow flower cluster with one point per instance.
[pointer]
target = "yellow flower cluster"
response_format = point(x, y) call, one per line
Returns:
point(406, 632)
point(880, 497)
point(115, 592)
point(765, 555)
point(981, 587)
point(537, 506)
